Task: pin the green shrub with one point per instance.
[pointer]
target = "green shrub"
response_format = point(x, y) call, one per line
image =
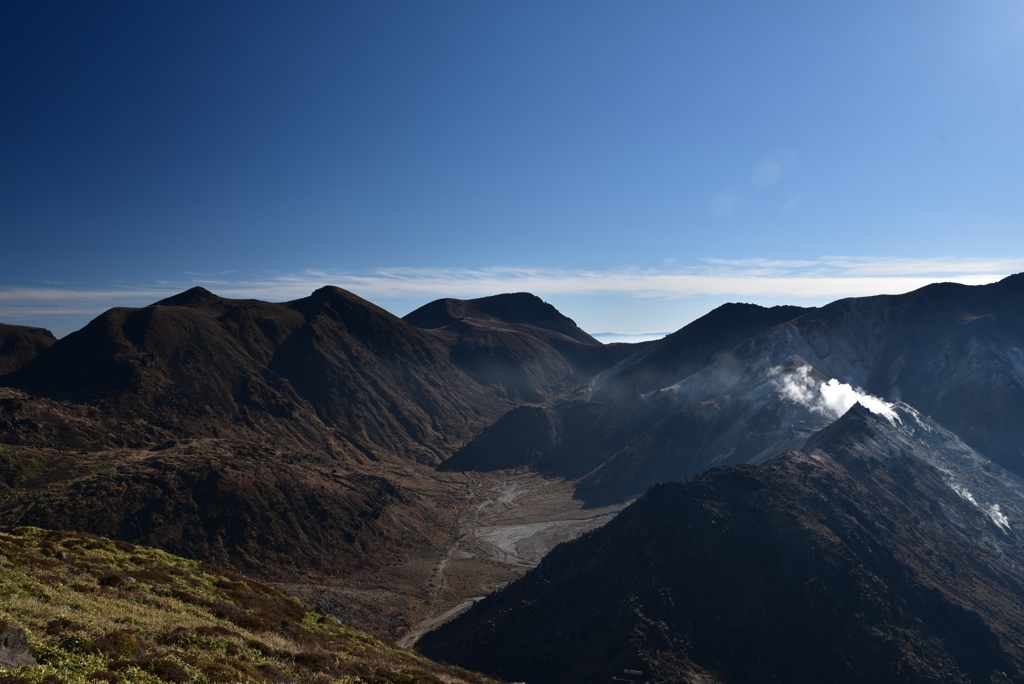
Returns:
point(118, 644)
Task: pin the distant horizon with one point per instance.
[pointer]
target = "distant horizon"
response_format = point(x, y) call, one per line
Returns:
point(63, 310)
point(635, 164)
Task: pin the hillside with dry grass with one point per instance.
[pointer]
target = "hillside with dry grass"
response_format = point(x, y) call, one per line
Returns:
point(97, 610)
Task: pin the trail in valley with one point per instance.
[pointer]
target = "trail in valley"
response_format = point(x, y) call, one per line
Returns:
point(514, 520)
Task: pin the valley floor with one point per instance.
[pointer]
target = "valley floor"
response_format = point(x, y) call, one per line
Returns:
point(509, 521)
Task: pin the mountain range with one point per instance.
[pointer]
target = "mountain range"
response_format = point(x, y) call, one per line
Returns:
point(710, 394)
point(293, 441)
point(823, 494)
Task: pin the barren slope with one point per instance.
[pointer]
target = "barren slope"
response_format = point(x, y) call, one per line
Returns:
point(857, 560)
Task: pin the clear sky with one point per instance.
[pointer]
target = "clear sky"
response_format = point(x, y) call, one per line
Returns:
point(634, 163)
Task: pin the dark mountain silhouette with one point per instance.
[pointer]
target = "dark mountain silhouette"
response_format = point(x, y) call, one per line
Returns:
point(330, 371)
point(621, 442)
point(300, 441)
point(231, 503)
point(295, 441)
point(710, 393)
point(952, 351)
point(516, 344)
point(19, 344)
point(694, 347)
point(876, 554)
point(520, 308)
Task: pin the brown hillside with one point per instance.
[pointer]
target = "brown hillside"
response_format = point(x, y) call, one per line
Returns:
point(19, 344)
point(330, 372)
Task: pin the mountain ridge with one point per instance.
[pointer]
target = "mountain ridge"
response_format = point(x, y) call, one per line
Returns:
point(516, 344)
point(215, 367)
point(521, 308)
point(849, 562)
point(697, 399)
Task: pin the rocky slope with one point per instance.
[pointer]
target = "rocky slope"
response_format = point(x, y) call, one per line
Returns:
point(233, 504)
point(871, 555)
point(721, 390)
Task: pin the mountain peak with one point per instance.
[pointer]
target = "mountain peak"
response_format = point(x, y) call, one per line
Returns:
point(329, 291)
point(341, 304)
point(856, 424)
point(192, 298)
point(518, 308)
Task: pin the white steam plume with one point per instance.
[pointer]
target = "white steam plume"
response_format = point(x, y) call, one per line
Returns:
point(998, 517)
point(829, 399)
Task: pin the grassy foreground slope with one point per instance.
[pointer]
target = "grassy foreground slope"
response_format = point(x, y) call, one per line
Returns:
point(98, 610)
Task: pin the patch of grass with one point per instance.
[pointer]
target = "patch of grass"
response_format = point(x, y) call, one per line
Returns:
point(98, 610)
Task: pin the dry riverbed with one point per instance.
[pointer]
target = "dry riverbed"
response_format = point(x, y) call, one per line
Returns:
point(508, 521)
point(512, 521)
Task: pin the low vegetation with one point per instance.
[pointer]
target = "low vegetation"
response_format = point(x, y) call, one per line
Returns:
point(97, 610)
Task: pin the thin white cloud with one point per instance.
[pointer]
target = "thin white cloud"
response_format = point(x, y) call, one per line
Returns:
point(846, 266)
point(829, 277)
point(35, 294)
point(937, 266)
point(791, 203)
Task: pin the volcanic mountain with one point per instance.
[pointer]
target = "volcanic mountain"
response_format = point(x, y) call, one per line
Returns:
point(719, 390)
point(516, 344)
point(885, 550)
point(301, 442)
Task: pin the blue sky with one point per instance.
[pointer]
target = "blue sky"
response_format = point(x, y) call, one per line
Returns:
point(634, 163)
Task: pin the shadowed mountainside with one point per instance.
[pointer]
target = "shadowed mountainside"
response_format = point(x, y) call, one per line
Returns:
point(298, 441)
point(520, 308)
point(518, 345)
point(233, 504)
point(292, 441)
point(954, 352)
point(857, 560)
point(711, 393)
point(697, 345)
point(19, 344)
point(330, 371)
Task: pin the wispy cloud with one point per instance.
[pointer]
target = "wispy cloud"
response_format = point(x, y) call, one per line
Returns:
point(828, 277)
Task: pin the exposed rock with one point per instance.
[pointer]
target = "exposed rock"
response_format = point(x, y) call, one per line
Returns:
point(14, 648)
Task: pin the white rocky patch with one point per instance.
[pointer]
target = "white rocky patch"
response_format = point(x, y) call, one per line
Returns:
point(965, 494)
point(998, 518)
